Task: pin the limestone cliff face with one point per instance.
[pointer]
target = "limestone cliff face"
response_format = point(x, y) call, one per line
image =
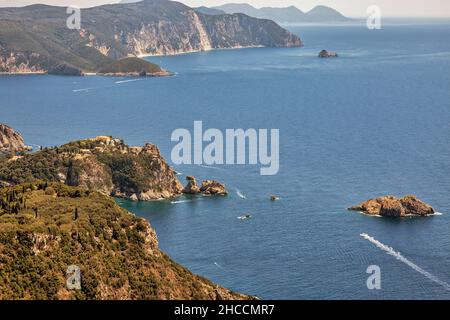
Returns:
point(11, 141)
point(36, 39)
point(102, 164)
point(201, 32)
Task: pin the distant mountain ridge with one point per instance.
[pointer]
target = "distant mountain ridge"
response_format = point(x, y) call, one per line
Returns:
point(319, 14)
point(36, 39)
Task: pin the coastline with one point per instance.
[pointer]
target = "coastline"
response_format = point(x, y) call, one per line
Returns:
point(198, 51)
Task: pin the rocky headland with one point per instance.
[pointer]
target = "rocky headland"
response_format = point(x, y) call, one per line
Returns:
point(102, 164)
point(390, 206)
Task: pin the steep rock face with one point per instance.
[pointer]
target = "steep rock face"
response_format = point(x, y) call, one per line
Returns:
point(11, 141)
point(102, 164)
point(390, 206)
point(117, 253)
point(36, 39)
point(192, 186)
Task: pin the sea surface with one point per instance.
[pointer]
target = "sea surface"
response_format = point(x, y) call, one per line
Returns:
point(373, 122)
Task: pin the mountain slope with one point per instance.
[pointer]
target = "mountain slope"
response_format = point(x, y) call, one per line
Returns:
point(319, 14)
point(36, 39)
point(324, 13)
point(209, 11)
point(47, 227)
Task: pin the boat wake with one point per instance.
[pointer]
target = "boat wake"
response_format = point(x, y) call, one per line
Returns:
point(125, 81)
point(240, 195)
point(208, 167)
point(218, 266)
point(390, 251)
point(82, 90)
point(180, 201)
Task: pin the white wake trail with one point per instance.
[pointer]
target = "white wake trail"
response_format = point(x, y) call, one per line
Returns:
point(398, 256)
point(126, 81)
point(240, 195)
point(82, 90)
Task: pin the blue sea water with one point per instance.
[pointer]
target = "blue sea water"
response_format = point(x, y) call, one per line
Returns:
point(375, 121)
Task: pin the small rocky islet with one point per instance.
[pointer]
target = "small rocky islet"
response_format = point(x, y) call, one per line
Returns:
point(390, 206)
point(328, 54)
point(208, 187)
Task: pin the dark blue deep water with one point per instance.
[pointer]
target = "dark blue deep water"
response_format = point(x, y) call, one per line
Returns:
point(375, 121)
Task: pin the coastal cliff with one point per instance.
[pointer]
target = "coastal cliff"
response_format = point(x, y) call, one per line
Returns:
point(47, 227)
point(11, 142)
point(35, 39)
point(102, 164)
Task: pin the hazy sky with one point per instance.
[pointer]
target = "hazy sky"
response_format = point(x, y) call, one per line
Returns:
point(397, 8)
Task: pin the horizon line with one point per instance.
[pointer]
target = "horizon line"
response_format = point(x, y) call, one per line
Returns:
point(434, 17)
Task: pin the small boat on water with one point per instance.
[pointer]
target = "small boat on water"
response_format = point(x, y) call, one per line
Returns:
point(245, 217)
point(274, 198)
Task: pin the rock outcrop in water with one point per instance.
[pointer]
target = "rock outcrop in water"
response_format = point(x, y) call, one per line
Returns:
point(213, 188)
point(192, 186)
point(11, 142)
point(327, 54)
point(390, 206)
point(45, 227)
point(36, 38)
point(102, 164)
point(208, 188)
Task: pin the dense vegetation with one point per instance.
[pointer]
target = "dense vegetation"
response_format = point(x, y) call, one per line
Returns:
point(55, 226)
point(131, 65)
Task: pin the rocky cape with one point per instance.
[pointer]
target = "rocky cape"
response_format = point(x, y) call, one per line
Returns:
point(46, 227)
point(106, 165)
point(390, 206)
point(35, 39)
point(11, 142)
point(102, 164)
